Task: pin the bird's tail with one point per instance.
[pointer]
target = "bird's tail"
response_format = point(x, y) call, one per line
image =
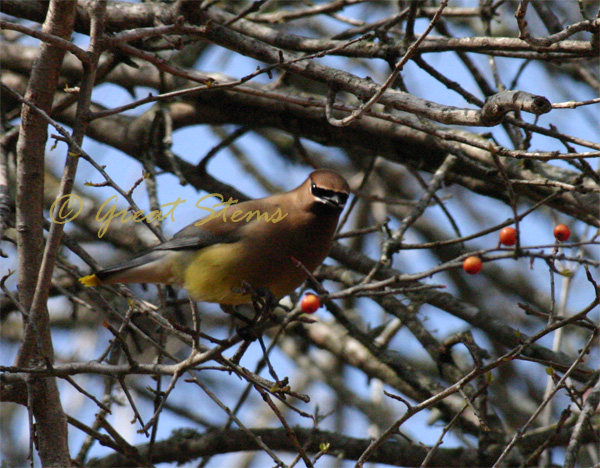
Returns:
point(152, 267)
point(90, 280)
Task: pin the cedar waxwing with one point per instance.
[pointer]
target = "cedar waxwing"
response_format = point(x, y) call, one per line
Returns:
point(253, 242)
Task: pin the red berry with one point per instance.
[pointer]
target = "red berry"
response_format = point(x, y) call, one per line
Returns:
point(508, 236)
point(310, 303)
point(472, 265)
point(562, 232)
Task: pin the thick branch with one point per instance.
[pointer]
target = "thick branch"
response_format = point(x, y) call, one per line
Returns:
point(37, 346)
point(184, 446)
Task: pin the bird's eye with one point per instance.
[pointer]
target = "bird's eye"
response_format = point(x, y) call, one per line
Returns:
point(321, 192)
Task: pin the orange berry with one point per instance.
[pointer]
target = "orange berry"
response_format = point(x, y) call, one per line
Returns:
point(310, 303)
point(508, 236)
point(472, 265)
point(562, 232)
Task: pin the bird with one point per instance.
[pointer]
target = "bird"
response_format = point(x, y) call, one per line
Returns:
point(260, 243)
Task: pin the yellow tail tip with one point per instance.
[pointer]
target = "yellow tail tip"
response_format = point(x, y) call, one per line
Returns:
point(89, 280)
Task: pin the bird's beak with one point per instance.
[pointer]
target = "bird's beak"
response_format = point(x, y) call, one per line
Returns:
point(337, 200)
point(334, 199)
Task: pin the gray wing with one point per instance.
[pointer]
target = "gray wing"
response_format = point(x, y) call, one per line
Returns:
point(189, 238)
point(194, 237)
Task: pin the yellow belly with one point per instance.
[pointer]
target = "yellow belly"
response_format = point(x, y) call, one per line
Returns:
point(215, 274)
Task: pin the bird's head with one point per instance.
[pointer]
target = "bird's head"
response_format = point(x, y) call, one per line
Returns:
point(328, 188)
